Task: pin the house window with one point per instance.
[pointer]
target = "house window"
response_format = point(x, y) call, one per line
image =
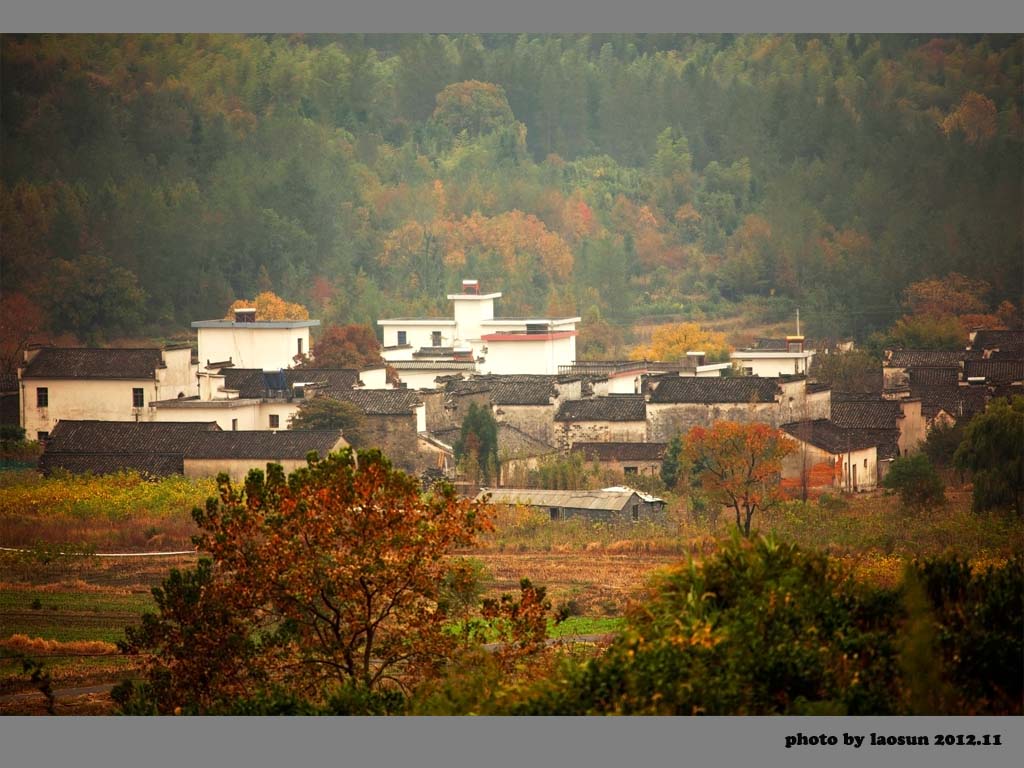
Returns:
point(865, 463)
point(275, 421)
point(435, 338)
point(42, 397)
point(402, 338)
point(42, 437)
point(748, 371)
point(636, 513)
point(300, 345)
point(138, 398)
point(234, 425)
point(556, 513)
point(629, 470)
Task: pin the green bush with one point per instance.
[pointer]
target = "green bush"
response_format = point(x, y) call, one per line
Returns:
point(916, 481)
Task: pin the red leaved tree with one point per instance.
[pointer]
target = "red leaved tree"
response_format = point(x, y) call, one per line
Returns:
point(328, 579)
point(347, 346)
point(738, 466)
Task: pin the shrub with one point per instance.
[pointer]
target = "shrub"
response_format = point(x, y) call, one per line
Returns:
point(916, 481)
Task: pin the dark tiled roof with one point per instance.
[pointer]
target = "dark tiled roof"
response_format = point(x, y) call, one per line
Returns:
point(933, 376)
point(621, 451)
point(609, 408)
point(249, 382)
point(257, 383)
point(155, 464)
point(825, 434)
point(856, 397)
point(523, 393)
point(1000, 371)
point(8, 382)
point(331, 379)
point(262, 444)
point(959, 402)
point(876, 414)
point(738, 389)
point(64, 363)
point(1003, 340)
point(814, 387)
point(906, 358)
point(125, 436)
point(381, 402)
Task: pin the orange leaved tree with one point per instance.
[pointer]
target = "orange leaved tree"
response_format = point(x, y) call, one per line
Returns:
point(327, 580)
point(738, 466)
point(270, 306)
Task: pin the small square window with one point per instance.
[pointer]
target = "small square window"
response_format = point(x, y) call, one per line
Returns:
point(42, 437)
point(402, 337)
point(138, 397)
point(865, 463)
point(42, 397)
point(629, 470)
point(435, 338)
point(300, 345)
point(556, 513)
point(275, 421)
point(234, 425)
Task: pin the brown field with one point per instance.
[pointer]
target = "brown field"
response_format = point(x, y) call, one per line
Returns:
point(68, 610)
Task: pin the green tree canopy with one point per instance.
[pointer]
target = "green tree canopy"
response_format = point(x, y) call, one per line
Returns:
point(993, 451)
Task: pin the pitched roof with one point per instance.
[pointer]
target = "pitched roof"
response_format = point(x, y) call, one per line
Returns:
point(381, 402)
point(1003, 340)
point(735, 389)
point(262, 444)
point(607, 408)
point(92, 436)
point(106, 463)
point(998, 370)
point(93, 363)
point(249, 382)
point(514, 392)
point(905, 358)
point(957, 401)
point(621, 451)
point(933, 376)
point(866, 414)
point(828, 436)
point(603, 500)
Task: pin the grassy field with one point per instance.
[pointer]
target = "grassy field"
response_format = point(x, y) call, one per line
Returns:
point(69, 609)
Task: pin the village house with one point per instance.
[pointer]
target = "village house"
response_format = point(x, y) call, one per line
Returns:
point(193, 449)
point(518, 452)
point(897, 363)
point(625, 377)
point(100, 384)
point(495, 344)
point(246, 342)
point(774, 357)
point(393, 420)
point(830, 457)
point(613, 418)
point(677, 404)
point(627, 459)
point(899, 426)
point(617, 505)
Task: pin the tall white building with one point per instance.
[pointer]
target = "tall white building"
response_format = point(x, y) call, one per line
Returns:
point(504, 345)
point(249, 343)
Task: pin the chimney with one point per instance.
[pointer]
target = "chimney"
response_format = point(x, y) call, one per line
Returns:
point(471, 286)
point(245, 315)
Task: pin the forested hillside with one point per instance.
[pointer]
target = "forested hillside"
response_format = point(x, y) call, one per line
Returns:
point(150, 180)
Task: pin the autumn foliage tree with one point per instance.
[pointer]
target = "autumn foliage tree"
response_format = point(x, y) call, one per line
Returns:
point(20, 320)
point(270, 306)
point(347, 346)
point(672, 342)
point(327, 579)
point(739, 466)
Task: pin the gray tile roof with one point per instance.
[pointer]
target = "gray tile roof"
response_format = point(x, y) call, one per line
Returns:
point(933, 376)
point(93, 363)
point(608, 408)
point(734, 389)
point(153, 464)
point(828, 436)
point(594, 500)
point(523, 393)
point(959, 402)
point(381, 402)
point(621, 451)
point(125, 436)
point(866, 414)
point(262, 444)
point(1003, 340)
point(257, 383)
point(1000, 371)
point(906, 358)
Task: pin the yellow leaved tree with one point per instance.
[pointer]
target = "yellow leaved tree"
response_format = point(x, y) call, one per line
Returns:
point(270, 306)
point(672, 342)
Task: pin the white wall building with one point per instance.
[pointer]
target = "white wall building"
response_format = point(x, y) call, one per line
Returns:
point(791, 359)
point(99, 384)
point(533, 345)
point(248, 343)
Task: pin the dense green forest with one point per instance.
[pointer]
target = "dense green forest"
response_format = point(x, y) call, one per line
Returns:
point(150, 180)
